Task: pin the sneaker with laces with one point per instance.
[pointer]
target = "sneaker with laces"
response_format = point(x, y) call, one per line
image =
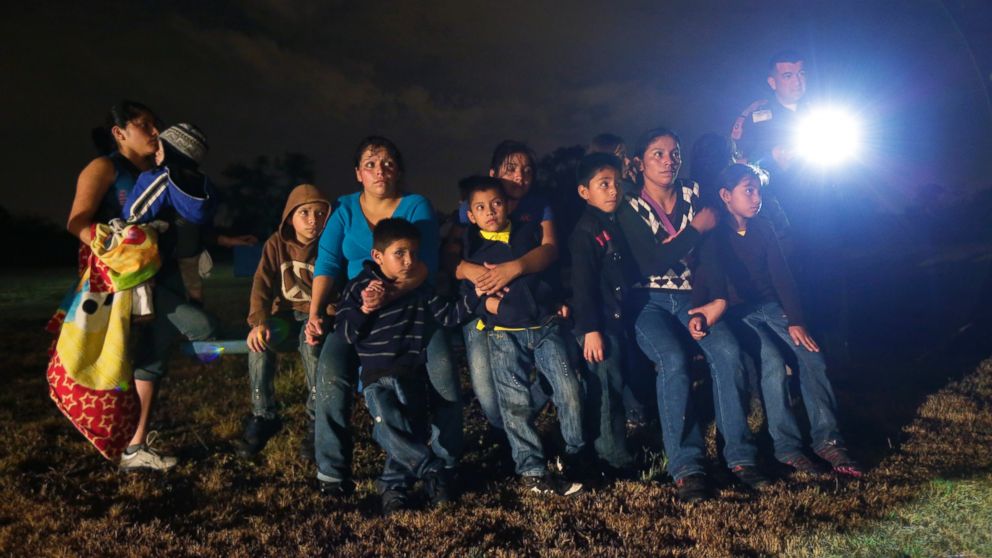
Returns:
point(842, 463)
point(146, 459)
point(750, 476)
point(693, 488)
point(258, 430)
point(393, 501)
point(550, 484)
point(802, 464)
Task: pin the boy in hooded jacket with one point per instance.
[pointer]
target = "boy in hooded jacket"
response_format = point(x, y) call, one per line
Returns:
point(280, 304)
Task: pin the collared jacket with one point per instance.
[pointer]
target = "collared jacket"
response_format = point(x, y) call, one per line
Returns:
point(602, 272)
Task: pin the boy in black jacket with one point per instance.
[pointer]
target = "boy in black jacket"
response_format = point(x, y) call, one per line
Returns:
point(601, 275)
point(766, 306)
point(391, 338)
point(523, 333)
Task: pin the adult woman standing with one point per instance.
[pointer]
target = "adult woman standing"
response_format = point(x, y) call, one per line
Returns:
point(344, 245)
point(101, 190)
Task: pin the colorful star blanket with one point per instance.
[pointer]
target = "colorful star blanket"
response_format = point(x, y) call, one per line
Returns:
point(89, 371)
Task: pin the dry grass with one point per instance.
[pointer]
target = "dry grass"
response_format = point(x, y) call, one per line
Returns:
point(59, 498)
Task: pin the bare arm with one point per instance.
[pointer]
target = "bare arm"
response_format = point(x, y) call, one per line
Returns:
point(323, 288)
point(92, 185)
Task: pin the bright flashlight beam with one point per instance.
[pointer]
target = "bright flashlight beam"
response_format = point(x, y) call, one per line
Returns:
point(828, 137)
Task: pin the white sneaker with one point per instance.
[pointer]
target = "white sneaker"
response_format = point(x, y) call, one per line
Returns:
point(146, 459)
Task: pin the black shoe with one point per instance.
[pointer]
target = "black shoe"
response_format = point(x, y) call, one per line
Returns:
point(437, 489)
point(258, 430)
point(336, 489)
point(550, 484)
point(393, 501)
point(803, 464)
point(307, 443)
point(750, 476)
point(694, 488)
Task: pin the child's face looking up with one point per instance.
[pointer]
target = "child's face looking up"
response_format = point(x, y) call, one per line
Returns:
point(517, 174)
point(398, 259)
point(603, 190)
point(308, 221)
point(487, 209)
point(744, 200)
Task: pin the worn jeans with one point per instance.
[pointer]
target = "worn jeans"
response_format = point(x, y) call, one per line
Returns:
point(767, 340)
point(174, 316)
point(513, 354)
point(661, 331)
point(262, 366)
point(604, 411)
point(337, 370)
point(399, 425)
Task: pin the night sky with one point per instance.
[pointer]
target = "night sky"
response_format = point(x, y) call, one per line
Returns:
point(448, 80)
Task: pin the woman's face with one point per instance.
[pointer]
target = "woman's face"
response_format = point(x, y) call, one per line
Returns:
point(517, 173)
point(660, 162)
point(378, 173)
point(140, 136)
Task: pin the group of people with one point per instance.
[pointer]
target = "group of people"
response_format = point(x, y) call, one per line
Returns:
point(375, 295)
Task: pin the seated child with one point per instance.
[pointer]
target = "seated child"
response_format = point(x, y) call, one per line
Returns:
point(523, 332)
point(390, 337)
point(280, 305)
point(768, 306)
point(601, 275)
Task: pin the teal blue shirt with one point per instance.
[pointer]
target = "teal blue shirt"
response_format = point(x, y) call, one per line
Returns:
point(347, 238)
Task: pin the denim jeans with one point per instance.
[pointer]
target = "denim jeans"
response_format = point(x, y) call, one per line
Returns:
point(399, 425)
point(513, 354)
point(337, 371)
point(767, 340)
point(661, 331)
point(604, 412)
point(262, 367)
point(174, 315)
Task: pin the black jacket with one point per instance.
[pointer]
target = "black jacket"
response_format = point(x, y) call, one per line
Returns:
point(602, 272)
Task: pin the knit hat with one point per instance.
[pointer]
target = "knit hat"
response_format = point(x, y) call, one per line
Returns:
point(188, 140)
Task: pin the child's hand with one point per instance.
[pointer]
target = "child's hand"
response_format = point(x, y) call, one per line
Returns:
point(704, 221)
point(258, 338)
point(698, 327)
point(592, 347)
point(712, 311)
point(314, 329)
point(800, 336)
point(565, 312)
point(373, 296)
point(492, 304)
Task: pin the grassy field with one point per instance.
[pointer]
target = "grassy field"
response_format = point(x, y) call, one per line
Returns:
point(924, 431)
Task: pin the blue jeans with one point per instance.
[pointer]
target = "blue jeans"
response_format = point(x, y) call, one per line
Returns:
point(604, 410)
point(337, 371)
point(767, 340)
point(262, 367)
point(174, 315)
point(514, 354)
point(661, 331)
point(399, 425)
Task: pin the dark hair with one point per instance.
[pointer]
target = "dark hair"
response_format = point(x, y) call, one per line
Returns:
point(787, 55)
point(390, 230)
point(379, 142)
point(595, 162)
point(647, 137)
point(505, 149)
point(119, 115)
point(479, 183)
point(605, 143)
point(711, 153)
point(731, 176)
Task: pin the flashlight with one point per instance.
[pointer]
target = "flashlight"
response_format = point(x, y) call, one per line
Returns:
point(828, 136)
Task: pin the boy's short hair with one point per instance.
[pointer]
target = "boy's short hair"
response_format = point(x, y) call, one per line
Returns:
point(479, 183)
point(731, 176)
point(788, 55)
point(390, 230)
point(595, 162)
point(605, 143)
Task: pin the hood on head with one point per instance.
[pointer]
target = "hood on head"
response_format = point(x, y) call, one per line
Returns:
point(302, 194)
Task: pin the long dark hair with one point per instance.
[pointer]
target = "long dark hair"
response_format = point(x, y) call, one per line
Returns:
point(118, 115)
